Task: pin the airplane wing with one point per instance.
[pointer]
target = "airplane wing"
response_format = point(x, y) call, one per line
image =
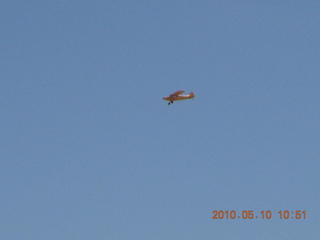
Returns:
point(177, 93)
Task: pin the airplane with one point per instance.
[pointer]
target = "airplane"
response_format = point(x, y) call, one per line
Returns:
point(177, 96)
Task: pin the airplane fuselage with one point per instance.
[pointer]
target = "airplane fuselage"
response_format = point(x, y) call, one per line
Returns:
point(177, 96)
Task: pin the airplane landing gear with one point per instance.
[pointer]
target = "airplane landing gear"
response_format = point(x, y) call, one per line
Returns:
point(170, 102)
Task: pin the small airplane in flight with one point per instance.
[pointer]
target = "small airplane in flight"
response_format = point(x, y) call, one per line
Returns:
point(177, 96)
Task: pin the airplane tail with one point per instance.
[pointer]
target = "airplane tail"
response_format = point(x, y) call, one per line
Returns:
point(191, 95)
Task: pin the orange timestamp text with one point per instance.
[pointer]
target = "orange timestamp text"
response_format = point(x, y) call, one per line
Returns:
point(250, 214)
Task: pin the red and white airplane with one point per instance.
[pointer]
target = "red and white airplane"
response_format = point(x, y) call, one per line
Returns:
point(177, 96)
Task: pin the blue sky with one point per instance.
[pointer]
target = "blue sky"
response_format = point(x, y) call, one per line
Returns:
point(89, 150)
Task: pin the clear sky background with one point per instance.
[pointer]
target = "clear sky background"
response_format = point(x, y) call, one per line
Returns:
point(90, 150)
